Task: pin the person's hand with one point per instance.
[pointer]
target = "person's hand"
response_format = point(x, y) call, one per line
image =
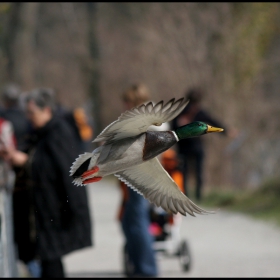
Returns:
point(13, 156)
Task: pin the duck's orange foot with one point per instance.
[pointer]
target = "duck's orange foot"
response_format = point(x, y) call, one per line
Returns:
point(90, 172)
point(91, 180)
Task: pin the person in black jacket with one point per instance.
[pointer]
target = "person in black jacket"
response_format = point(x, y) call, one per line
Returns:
point(62, 215)
point(191, 150)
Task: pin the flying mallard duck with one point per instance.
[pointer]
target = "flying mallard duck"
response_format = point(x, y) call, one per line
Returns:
point(129, 152)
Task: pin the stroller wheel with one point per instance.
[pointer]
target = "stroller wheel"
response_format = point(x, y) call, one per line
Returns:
point(127, 265)
point(184, 255)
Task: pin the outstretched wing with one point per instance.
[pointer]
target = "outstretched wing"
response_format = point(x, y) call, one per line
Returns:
point(137, 120)
point(152, 181)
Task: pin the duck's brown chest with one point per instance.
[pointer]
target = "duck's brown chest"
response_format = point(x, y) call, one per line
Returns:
point(157, 142)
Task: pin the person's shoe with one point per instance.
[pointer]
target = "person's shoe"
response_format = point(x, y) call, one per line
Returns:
point(34, 268)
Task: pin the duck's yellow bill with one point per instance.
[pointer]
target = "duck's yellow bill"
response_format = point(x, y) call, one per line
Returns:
point(213, 129)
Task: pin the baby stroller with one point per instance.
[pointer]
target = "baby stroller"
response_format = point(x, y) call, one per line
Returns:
point(165, 227)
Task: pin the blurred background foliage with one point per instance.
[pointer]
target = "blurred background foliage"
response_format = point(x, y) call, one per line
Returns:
point(90, 52)
point(261, 203)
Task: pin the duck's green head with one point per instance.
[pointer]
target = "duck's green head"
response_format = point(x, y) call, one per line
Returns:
point(195, 129)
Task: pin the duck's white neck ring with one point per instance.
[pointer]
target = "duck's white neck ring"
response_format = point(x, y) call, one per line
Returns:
point(176, 137)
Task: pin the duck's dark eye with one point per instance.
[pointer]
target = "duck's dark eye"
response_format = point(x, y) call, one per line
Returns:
point(199, 124)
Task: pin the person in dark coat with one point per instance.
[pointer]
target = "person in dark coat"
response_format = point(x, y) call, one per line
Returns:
point(62, 215)
point(191, 150)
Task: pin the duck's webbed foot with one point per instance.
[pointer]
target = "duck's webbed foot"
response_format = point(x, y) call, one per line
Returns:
point(89, 173)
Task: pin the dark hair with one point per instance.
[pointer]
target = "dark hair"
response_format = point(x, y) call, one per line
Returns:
point(195, 95)
point(42, 97)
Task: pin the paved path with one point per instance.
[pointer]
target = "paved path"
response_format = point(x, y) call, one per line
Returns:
point(222, 245)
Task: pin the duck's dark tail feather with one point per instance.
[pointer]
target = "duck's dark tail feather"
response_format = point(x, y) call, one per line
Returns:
point(80, 165)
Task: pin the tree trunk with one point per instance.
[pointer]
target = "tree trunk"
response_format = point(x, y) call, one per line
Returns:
point(94, 73)
point(24, 45)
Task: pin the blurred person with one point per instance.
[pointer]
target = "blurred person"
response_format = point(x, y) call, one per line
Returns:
point(22, 203)
point(192, 150)
point(134, 211)
point(62, 215)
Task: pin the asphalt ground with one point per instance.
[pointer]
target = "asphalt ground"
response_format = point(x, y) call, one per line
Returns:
point(221, 245)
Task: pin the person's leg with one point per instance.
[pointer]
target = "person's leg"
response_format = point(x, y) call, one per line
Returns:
point(22, 226)
point(135, 223)
point(185, 171)
point(52, 269)
point(34, 268)
point(199, 174)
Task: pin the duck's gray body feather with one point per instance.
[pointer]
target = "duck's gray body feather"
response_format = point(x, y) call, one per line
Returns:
point(120, 155)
